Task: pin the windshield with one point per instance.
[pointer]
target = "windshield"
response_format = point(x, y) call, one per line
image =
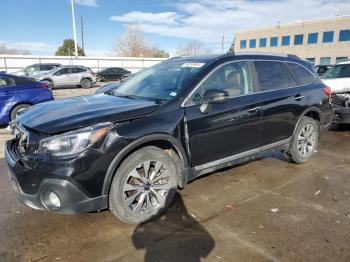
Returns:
point(163, 81)
point(338, 71)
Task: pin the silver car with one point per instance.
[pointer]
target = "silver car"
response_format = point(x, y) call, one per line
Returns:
point(69, 76)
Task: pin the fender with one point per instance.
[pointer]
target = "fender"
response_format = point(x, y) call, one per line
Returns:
point(143, 140)
point(313, 109)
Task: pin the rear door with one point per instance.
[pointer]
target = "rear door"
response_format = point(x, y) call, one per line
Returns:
point(76, 74)
point(62, 77)
point(228, 128)
point(283, 101)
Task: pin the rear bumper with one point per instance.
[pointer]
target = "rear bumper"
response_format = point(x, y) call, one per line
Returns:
point(342, 116)
point(72, 199)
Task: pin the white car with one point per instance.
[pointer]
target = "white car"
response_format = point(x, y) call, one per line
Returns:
point(338, 79)
point(69, 76)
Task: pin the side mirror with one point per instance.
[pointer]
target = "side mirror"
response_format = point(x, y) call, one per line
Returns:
point(213, 96)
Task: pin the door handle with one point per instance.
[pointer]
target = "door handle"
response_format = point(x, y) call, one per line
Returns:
point(298, 97)
point(254, 110)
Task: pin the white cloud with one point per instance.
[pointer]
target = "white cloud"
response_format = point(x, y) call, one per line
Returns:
point(207, 20)
point(86, 2)
point(30, 46)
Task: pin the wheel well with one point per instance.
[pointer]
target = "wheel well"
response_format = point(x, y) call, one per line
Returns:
point(314, 115)
point(86, 77)
point(168, 147)
point(14, 106)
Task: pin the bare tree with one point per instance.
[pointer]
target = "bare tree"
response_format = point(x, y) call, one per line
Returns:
point(133, 43)
point(12, 51)
point(193, 48)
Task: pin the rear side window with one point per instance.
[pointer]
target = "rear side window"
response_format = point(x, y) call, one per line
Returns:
point(273, 75)
point(304, 76)
point(77, 70)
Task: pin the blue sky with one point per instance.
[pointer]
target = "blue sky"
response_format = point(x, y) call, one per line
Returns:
point(41, 25)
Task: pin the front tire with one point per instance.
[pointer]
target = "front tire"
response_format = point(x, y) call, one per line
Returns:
point(305, 140)
point(86, 83)
point(143, 186)
point(17, 109)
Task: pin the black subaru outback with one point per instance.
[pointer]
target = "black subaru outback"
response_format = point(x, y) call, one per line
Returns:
point(129, 150)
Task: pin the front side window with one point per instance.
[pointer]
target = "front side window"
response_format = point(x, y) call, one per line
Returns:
point(163, 81)
point(252, 43)
point(233, 78)
point(312, 38)
point(298, 39)
point(243, 44)
point(344, 35)
point(286, 40)
point(272, 76)
point(6, 82)
point(338, 71)
point(273, 41)
point(304, 76)
point(328, 37)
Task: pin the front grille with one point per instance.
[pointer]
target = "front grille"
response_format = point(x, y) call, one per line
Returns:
point(340, 101)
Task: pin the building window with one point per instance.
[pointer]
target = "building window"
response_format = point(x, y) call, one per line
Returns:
point(274, 41)
point(340, 59)
point(252, 43)
point(312, 38)
point(325, 60)
point(298, 39)
point(285, 40)
point(262, 42)
point(344, 35)
point(328, 37)
point(243, 44)
point(311, 60)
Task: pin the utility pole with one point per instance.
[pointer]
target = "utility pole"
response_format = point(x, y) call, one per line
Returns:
point(74, 31)
point(82, 33)
point(222, 42)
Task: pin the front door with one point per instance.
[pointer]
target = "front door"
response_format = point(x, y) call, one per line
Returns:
point(228, 128)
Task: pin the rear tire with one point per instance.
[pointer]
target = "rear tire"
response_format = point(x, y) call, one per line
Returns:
point(17, 109)
point(305, 140)
point(86, 83)
point(137, 198)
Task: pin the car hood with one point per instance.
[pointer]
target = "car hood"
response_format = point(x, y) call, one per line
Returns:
point(81, 111)
point(338, 85)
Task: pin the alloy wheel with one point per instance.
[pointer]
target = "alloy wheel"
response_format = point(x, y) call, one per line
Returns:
point(307, 140)
point(147, 187)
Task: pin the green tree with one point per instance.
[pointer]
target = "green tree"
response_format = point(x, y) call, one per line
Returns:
point(68, 49)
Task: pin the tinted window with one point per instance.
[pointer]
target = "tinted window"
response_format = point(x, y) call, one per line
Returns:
point(285, 40)
point(328, 37)
point(262, 42)
point(272, 75)
point(338, 71)
point(298, 39)
point(6, 82)
point(273, 41)
point(75, 70)
point(233, 78)
point(312, 38)
point(63, 71)
point(252, 43)
point(344, 35)
point(303, 75)
point(243, 44)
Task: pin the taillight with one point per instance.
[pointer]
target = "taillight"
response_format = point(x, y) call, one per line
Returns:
point(44, 86)
point(327, 91)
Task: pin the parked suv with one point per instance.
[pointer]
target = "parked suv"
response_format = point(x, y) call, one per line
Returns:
point(338, 79)
point(131, 149)
point(112, 74)
point(69, 76)
point(34, 69)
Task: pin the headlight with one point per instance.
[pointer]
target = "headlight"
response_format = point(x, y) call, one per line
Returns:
point(73, 142)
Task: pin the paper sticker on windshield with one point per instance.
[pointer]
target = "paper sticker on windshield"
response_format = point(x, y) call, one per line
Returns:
point(193, 65)
point(173, 94)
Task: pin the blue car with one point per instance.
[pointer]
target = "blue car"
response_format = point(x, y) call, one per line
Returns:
point(18, 93)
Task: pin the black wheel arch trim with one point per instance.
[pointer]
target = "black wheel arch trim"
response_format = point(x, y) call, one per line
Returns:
point(312, 109)
point(143, 141)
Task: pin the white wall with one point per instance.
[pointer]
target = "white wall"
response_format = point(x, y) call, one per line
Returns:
point(12, 63)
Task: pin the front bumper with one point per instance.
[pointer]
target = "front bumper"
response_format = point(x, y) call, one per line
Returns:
point(72, 198)
point(342, 116)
